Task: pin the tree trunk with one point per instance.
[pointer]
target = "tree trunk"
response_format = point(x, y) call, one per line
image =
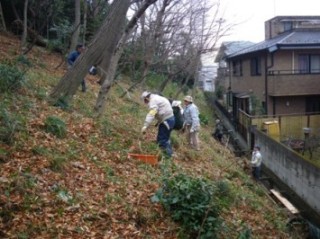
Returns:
point(25, 26)
point(2, 19)
point(85, 14)
point(102, 46)
point(76, 30)
point(165, 82)
point(107, 83)
point(182, 87)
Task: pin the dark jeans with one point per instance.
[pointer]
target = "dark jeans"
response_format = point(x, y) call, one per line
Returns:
point(256, 171)
point(163, 137)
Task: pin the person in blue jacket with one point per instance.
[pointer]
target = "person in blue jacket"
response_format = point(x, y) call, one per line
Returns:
point(72, 59)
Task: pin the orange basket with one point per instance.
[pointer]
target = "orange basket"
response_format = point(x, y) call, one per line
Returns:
point(146, 158)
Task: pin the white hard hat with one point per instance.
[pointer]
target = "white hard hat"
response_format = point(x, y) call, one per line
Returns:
point(188, 98)
point(145, 94)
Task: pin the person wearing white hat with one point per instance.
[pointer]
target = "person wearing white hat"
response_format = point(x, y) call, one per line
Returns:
point(192, 122)
point(161, 110)
point(256, 161)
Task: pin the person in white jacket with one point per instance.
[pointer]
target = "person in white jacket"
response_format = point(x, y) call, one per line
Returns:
point(192, 122)
point(161, 110)
point(256, 161)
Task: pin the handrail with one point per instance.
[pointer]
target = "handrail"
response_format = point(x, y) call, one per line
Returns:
point(277, 115)
point(293, 72)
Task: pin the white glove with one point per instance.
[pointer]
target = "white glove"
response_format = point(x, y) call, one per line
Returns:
point(144, 129)
point(191, 130)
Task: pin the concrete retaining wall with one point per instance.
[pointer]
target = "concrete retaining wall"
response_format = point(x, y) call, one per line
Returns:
point(299, 175)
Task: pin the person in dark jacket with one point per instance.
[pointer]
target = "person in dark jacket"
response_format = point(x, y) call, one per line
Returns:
point(218, 132)
point(72, 59)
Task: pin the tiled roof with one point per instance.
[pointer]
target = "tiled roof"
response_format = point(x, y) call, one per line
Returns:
point(230, 47)
point(290, 40)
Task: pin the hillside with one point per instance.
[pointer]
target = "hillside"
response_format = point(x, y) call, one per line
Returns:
point(84, 185)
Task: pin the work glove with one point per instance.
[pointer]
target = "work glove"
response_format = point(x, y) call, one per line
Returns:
point(144, 129)
point(191, 130)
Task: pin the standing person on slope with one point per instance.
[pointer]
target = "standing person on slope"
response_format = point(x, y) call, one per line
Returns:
point(192, 122)
point(160, 109)
point(256, 161)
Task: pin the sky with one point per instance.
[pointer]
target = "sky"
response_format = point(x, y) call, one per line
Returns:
point(250, 15)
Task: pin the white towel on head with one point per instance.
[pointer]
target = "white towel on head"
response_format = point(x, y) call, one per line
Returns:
point(176, 103)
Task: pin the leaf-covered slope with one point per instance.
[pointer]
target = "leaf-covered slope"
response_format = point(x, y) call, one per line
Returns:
point(85, 186)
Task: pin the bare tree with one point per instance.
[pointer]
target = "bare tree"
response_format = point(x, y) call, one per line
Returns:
point(151, 42)
point(154, 27)
point(77, 21)
point(175, 38)
point(203, 28)
point(102, 46)
point(110, 64)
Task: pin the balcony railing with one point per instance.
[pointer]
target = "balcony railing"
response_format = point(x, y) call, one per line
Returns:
point(294, 72)
point(286, 83)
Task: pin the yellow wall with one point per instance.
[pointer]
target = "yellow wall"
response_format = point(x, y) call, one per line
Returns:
point(289, 126)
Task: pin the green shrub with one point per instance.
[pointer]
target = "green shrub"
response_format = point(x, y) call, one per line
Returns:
point(9, 126)
point(203, 119)
point(219, 91)
point(58, 163)
point(175, 140)
point(245, 233)
point(11, 78)
point(39, 150)
point(193, 202)
point(23, 60)
point(55, 126)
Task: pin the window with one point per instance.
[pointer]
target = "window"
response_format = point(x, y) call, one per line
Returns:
point(255, 66)
point(313, 104)
point(237, 68)
point(287, 26)
point(303, 64)
point(315, 63)
point(309, 63)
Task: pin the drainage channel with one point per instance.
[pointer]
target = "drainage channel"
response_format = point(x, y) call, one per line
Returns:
point(300, 213)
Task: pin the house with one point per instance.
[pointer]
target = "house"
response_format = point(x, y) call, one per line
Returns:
point(225, 50)
point(280, 75)
point(206, 77)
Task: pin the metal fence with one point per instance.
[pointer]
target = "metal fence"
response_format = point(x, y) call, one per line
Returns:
point(299, 132)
